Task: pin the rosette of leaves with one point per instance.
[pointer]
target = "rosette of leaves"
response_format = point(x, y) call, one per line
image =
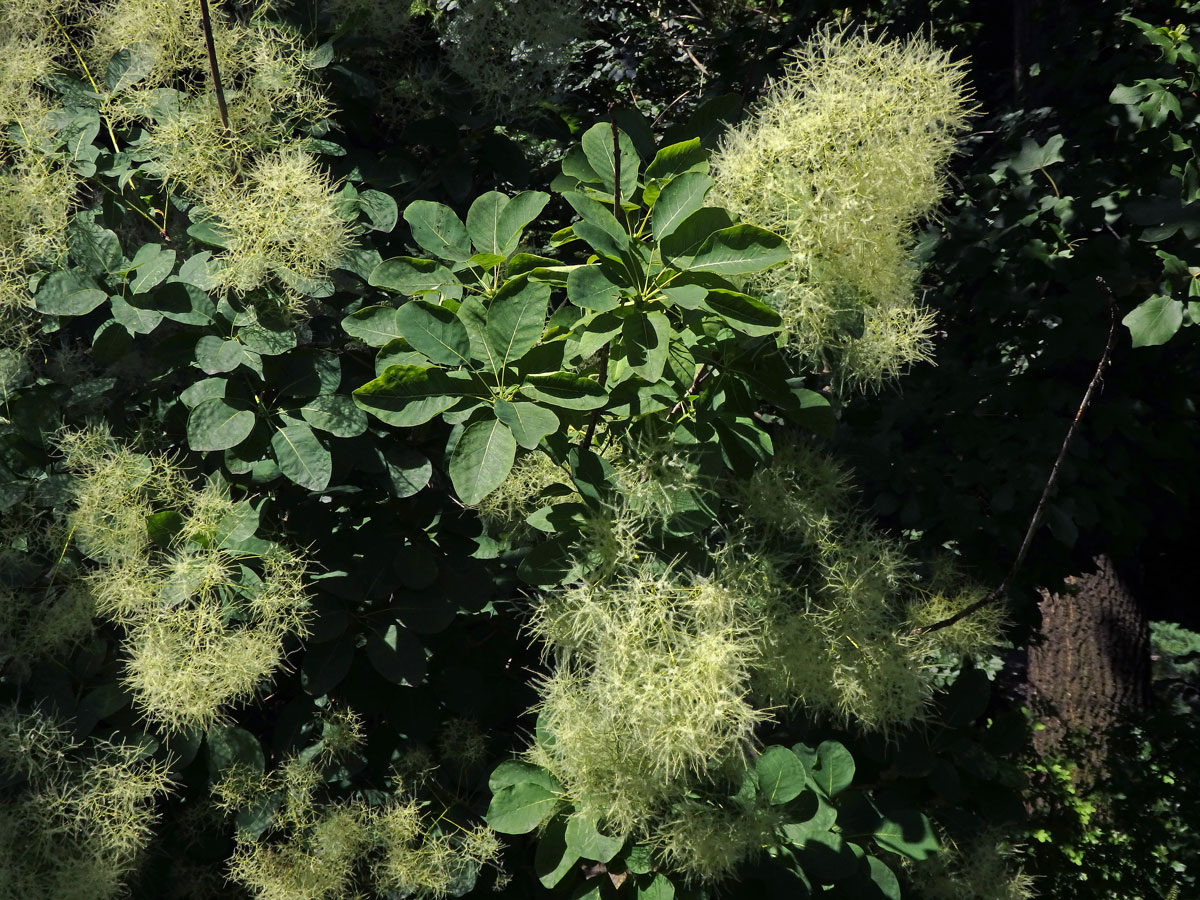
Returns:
point(517, 351)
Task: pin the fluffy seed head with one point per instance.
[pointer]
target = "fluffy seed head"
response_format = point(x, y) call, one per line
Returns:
point(844, 154)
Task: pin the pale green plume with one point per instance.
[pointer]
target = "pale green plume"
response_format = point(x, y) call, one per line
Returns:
point(842, 156)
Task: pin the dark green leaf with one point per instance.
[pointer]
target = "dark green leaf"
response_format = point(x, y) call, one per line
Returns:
point(481, 460)
point(646, 340)
point(95, 248)
point(483, 219)
point(654, 887)
point(675, 159)
point(203, 390)
point(1154, 321)
point(184, 303)
point(565, 389)
point(435, 331)
point(335, 414)
point(438, 230)
point(380, 209)
point(834, 768)
point(163, 526)
point(326, 665)
point(528, 422)
point(584, 839)
point(590, 287)
point(408, 470)
point(515, 321)
point(135, 319)
point(553, 860)
point(149, 267)
point(130, 65)
point(598, 146)
point(740, 250)
point(1034, 156)
point(302, 457)
point(689, 236)
point(229, 746)
point(214, 355)
point(884, 878)
point(599, 227)
point(520, 211)
point(409, 275)
point(68, 293)
point(397, 654)
point(678, 200)
point(743, 312)
point(781, 775)
point(548, 562)
point(373, 325)
point(516, 771)
point(215, 424)
point(520, 808)
point(908, 833)
point(408, 395)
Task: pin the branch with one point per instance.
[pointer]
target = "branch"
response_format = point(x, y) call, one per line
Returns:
point(702, 373)
point(591, 429)
point(206, 21)
point(1040, 511)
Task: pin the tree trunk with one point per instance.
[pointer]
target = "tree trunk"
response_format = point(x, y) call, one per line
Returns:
point(1092, 667)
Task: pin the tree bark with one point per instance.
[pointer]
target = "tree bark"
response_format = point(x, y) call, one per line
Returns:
point(1091, 669)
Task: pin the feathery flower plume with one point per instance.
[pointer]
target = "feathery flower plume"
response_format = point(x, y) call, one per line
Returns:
point(844, 154)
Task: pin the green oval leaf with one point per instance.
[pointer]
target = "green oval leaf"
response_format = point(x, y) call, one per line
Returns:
point(373, 325)
point(216, 424)
point(408, 395)
point(528, 422)
point(335, 414)
point(600, 149)
point(743, 313)
point(302, 457)
point(678, 200)
point(516, 319)
point(149, 267)
point(520, 808)
point(584, 839)
point(740, 250)
point(565, 389)
point(68, 293)
point(409, 275)
point(781, 775)
point(481, 460)
point(589, 287)
point(908, 833)
point(675, 159)
point(1154, 321)
point(438, 230)
point(435, 331)
point(646, 340)
point(834, 768)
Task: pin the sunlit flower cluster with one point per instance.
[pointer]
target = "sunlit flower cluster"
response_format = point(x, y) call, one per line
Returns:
point(189, 657)
point(844, 154)
point(74, 818)
point(313, 849)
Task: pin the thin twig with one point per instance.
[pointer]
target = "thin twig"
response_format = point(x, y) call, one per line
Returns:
point(667, 108)
point(1040, 511)
point(206, 22)
point(678, 40)
point(702, 373)
point(595, 418)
